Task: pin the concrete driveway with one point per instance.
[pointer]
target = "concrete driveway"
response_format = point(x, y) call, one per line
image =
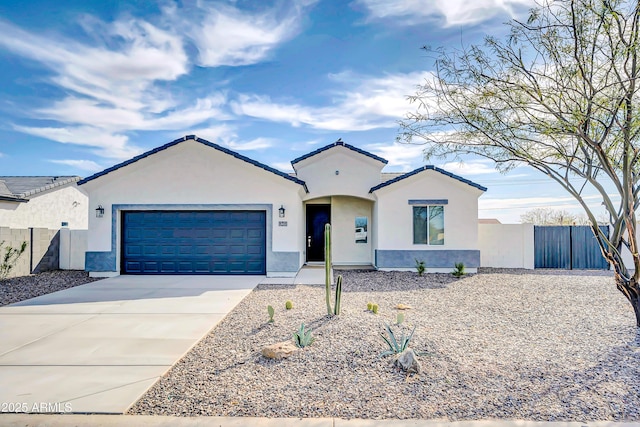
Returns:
point(98, 347)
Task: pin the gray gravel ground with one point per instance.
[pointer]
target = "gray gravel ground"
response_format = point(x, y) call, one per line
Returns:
point(26, 287)
point(504, 344)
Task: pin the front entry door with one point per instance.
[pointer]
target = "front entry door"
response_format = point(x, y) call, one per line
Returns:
point(317, 217)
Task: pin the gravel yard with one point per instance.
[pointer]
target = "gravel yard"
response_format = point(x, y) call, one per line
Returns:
point(547, 345)
point(26, 287)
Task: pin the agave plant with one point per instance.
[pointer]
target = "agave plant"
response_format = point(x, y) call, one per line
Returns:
point(303, 337)
point(396, 346)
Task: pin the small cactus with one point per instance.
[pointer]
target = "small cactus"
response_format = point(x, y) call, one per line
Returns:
point(374, 308)
point(336, 306)
point(399, 318)
point(369, 306)
point(271, 312)
point(288, 304)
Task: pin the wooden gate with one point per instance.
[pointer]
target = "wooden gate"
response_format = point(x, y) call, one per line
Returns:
point(568, 247)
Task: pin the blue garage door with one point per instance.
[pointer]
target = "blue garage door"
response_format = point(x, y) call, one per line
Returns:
point(194, 242)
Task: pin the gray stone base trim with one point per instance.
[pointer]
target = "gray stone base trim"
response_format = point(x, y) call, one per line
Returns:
point(100, 261)
point(283, 262)
point(432, 259)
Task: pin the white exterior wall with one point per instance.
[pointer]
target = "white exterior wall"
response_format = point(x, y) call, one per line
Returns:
point(191, 173)
point(394, 214)
point(506, 245)
point(357, 173)
point(48, 210)
point(346, 251)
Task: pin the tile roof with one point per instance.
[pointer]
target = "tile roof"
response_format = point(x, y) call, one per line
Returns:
point(423, 168)
point(339, 142)
point(202, 141)
point(21, 188)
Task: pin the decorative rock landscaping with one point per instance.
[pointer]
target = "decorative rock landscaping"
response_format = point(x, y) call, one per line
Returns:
point(552, 346)
point(25, 287)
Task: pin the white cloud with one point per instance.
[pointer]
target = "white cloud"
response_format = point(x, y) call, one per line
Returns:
point(119, 79)
point(370, 103)
point(453, 12)
point(226, 135)
point(82, 111)
point(471, 167)
point(254, 144)
point(228, 36)
point(404, 157)
point(283, 166)
point(121, 75)
point(86, 165)
point(114, 146)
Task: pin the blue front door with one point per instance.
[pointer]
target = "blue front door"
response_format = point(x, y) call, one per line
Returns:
point(194, 242)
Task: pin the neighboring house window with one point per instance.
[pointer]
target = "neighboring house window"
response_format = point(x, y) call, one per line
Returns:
point(428, 225)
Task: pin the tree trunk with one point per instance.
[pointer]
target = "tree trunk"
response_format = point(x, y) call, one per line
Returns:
point(631, 290)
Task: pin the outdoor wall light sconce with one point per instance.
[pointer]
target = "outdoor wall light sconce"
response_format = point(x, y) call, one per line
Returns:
point(99, 211)
point(281, 211)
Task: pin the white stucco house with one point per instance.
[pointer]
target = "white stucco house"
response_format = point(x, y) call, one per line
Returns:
point(194, 207)
point(42, 202)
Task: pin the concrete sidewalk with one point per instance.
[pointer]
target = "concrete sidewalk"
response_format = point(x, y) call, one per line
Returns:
point(21, 420)
point(98, 347)
point(311, 275)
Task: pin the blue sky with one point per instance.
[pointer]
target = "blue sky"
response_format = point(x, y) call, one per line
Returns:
point(94, 83)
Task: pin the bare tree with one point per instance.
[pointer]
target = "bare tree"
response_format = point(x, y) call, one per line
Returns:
point(547, 216)
point(558, 94)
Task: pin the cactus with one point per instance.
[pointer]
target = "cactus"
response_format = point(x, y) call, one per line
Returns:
point(271, 312)
point(374, 308)
point(336, 307)
point(327, 266)
point(399, 318)
point(288, 304)
point(369, 306)
point(327, 275)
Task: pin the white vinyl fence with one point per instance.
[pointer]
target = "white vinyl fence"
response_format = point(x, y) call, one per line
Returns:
point(506, 245)
point(73, 245)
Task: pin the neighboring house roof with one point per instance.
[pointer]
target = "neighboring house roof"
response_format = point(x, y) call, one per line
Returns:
point(339, 142)
point(204, 142)
point(489, 221)
point(424, 168)
point(387, 176)
point(21, 188)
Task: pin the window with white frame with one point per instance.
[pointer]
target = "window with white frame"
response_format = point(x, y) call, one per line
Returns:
point(428, 225)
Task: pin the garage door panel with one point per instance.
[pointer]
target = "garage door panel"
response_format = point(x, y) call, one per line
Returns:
point(254, 267)
point(134, 266)
point(133, 250)
point(194, 242)
point(150, 266)
point(253, 233)
point(168, 267)
point(237, 249)
point(254, 249)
